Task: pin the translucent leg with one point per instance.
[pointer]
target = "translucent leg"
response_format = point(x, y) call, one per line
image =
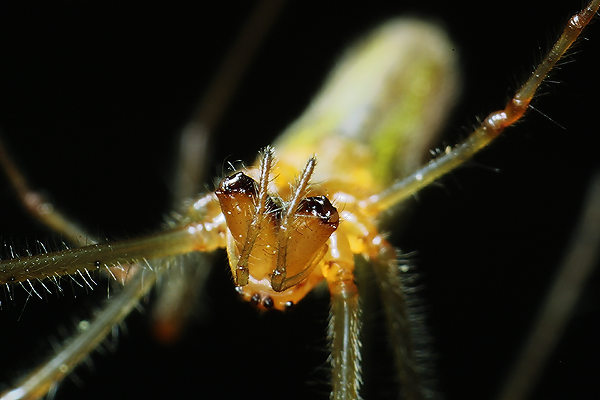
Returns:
point(39, 207)
point(560, 302)
point(344, 333)
point(46, 376)
point(202, 236)
point(344, 323)
point(195, 137)
point(173, 242)
point(48, 214)
point(172, 307)
point(491, 126)
point(43, 379)
point(408, 339)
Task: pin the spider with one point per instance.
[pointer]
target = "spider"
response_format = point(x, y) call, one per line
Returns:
point(471, 191)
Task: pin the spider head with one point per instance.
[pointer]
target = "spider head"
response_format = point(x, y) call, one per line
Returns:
point(272, 248)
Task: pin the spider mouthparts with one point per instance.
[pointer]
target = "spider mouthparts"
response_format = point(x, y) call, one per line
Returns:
point(241, 275)
point(277, 279)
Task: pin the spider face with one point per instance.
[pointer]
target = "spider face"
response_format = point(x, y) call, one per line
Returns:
point(486, 240)
point(260, 242)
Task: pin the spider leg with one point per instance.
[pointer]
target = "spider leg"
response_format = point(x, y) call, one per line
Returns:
point(344, 334)
point(206, 234)
point(172, 307)
point(45, 377)
point(189, 174)
point(491, 126)
point(562, 297)
point(408, 338)
point(38, 206)
point(48, 374)
point(41, 380)
point(48, 214)
point(195, 136)
point(345, 323)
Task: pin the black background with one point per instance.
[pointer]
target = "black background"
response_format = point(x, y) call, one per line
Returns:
point(91, 101)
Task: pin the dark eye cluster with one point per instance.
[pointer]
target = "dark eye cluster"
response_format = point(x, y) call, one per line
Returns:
point(266, 302)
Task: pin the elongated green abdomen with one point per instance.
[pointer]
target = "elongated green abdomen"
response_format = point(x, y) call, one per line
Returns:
point(380, 108)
